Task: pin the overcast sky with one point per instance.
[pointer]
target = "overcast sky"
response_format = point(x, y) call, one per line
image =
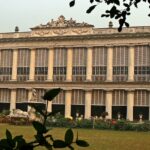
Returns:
point(29, 13)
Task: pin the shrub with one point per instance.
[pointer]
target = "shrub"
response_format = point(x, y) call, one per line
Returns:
point(84, 123)
point(19, 121)
point(142, 127)
point(123, 125)
point(61, 122)
point(5, 112)
point(103, 125)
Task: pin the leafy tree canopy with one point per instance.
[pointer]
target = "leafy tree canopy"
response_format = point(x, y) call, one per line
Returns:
point(119, 9)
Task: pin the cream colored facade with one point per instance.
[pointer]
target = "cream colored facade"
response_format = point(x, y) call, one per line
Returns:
point(98, 69)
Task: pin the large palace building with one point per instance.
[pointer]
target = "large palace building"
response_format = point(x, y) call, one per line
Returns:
point(99, 69)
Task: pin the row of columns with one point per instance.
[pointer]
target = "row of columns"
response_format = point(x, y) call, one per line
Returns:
point(108, 104)
point(88, 99)
point(69, 64)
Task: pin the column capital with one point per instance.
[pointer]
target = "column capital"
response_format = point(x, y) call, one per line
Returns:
point(109, 45)
point(108, 90)
point(12, 88)
point(51, 47)
point(29, 88)
point(67, 89)
point(131, 45)
point(89, 46)
point(130, 90)
point(148, 90)
point(88, 90)
point(69, 47)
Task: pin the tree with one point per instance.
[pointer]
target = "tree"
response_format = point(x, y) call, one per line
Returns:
point(119, 9)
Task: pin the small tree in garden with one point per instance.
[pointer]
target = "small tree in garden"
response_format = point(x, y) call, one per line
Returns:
point(42, 137)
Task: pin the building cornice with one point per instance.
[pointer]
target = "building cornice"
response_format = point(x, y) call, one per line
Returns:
point(77, 85)
point(75, 37)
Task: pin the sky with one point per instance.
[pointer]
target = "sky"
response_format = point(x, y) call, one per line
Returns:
point(29, 13)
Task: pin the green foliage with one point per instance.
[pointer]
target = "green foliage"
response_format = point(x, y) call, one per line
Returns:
point(123, 125)
point(85, 123)
point(42, 137)
point(120, 125)
point(5, 112)
point(119, 10)
point(19, 121)
point(58, 120)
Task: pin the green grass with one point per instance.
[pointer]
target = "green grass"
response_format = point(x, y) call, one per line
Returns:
point(98, 139)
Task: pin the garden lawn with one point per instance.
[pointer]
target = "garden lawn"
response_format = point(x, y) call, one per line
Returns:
point(98, 139)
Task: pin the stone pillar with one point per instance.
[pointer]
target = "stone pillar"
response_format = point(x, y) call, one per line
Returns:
point(49, 106)
point(68, 103)
point(130, 104)
point(89, 65)
point(109, 104)
point(50, 64)
point(131, 64)
point(12, 100)
point(0, 54)
point(109, 64)
point(29, 98)
point(149, 104)
point(88, 98)
point(69, 64)
point(32, 65)
point(14, 65)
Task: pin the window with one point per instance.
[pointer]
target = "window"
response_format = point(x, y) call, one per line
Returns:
point(22, 96)
point(41, 64)
point(141, 98)
point(119, 98)
point(78, 97)
point(4, 95)
point(60, 98)
point(142, 63)
point(5, 65)
point(99, 68)
point(23, 64)
point(120, 63)
point(60, 61)
point(79, 64)
point(98, 97)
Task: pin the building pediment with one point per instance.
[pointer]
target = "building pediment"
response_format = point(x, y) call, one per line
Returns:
point(61, 26)
point(61, 22)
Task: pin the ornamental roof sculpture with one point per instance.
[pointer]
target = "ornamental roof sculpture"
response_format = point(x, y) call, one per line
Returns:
point(61, 22)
